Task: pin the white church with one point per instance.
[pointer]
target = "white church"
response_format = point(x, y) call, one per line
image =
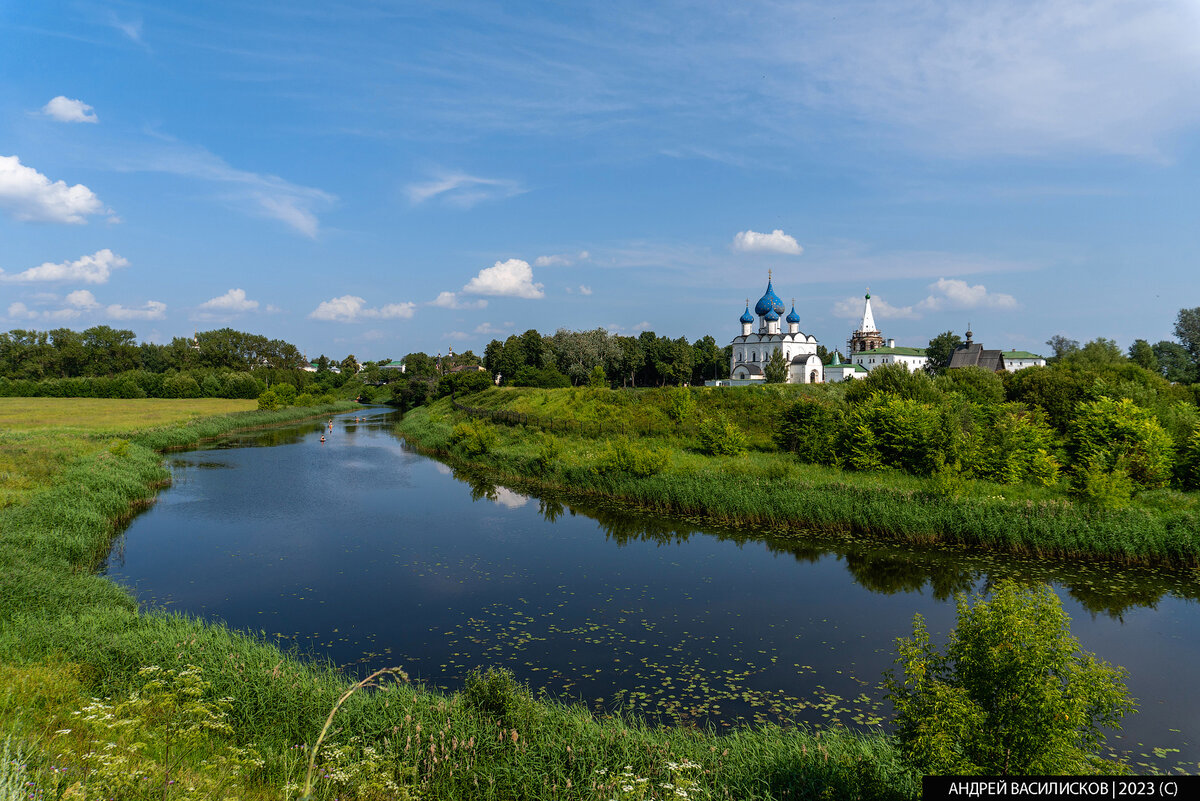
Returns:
point(753, 348)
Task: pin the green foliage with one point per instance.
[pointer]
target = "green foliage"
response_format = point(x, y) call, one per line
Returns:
point(1101, 484)
point(1116, 435)
point(680, 404)
point(464, 382)
point(721, 437)
point(181, 385)
point(268, 401)
point(1017, 445)
point(940, 349)
point(286, 393)
point(888, 431)
point(356, 769)
point(542, 377)
point(1190, 462)
point(810, 429)
point(597, 377)
point(304, 399)
point(1142, 354)
point(894, 379)
point(549, 451)
point(622, 456)
point(473, 437)
point(497, 695)
point(976, 384)
point(776, 369)
point(1013, 694)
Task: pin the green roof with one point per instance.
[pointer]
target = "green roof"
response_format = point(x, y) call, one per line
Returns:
point(897, 351)
point(392, 363)
point(1019, 354)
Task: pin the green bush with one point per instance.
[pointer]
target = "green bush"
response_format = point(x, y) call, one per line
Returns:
point(620, 455)
point(1107, 434)
point(285, 392)
point(1189, 474)
point(549, 451)
point(497, 695)
point(680, 405)
point(1012, 695)
point(1101, 484)
point(211, 386)
point(719, 437)
point(473, 437)
point(888, 431)
point(810, 428)
point(976, 384)
point(1017, 445)
point(241, 385)
point(268, 401)
point(894, 379)
point(180, 385)
point(543, 377)
point(304, 399)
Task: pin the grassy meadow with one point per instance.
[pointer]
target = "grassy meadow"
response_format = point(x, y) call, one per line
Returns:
point(99, 699)
point(642, 448)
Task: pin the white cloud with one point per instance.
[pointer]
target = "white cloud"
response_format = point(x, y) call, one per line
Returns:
point(509, 499)
point(153, 310)
point(585, 290)
point(234, 300)
point(82, 299)
point(488, 328)
point(512, 278)
point(93, 269)
point(19, 311)
point(561, 259)
point(31, 197)
point(951, 293)
point(852, 309)
point(350, 308)
point(462, 190)
point(451, 300)
point(775, 242)
point(64, 109)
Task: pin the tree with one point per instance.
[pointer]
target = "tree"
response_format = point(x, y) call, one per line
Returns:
point(1187, 331)
point(1100, 352)
point(1116, 435)
point(776, 368)
point(939, 350)
point(1014, 694)
point(1142, 354)
point(1062, 346)
point(349, 365)
point(706, 360)
point(1174, 362)
point(419, 365)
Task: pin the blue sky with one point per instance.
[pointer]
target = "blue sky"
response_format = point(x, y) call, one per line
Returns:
point(383, 177)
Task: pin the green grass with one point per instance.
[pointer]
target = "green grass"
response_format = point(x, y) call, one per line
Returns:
point(68, 635)
point(106, 415)
point(767, 490)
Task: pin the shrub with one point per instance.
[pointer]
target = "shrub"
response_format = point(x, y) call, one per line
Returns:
point(976, 384)
point(473, 437)
point(1108, 433)
point(304, 399)
point(621, 456)
point(1012, 695)
point(285, 392)
point(548, 453)
point(241, 385)
point(211, 386)
point(897, 432)
point(894, 379)
point(1102, 485)
point(542, 377)
point(268, 401)
point(1189, 474)
point(1015, 446)
point(720, 437)
point(496, 694)
point(180, 385)
point(810, 428)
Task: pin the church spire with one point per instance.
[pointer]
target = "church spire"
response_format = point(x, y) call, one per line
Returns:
point(868, 320)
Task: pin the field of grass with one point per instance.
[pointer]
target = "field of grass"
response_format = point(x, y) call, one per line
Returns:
point(768, 490)
point(85, 677)
point(105, 415)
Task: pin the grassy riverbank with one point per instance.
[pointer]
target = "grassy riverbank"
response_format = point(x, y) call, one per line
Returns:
point(237, 725)
point(598, 445)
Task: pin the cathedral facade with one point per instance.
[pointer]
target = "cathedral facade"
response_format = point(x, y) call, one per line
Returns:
point(753, 348)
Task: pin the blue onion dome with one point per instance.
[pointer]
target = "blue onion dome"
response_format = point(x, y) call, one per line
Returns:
point(747, 317)
point(771, 316)
point(792, 316)
point(769, 302)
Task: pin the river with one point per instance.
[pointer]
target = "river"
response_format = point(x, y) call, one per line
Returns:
point(362, 551)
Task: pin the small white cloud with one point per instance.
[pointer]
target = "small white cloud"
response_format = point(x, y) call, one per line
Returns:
point(93, 269)
point(30, 196)
point(512, 278)
point(451, 300)
point(775, 242)
point(952, 293)
point(585, 290)
point(852, 309)
point(19, 311)
point(488, 328)
point(509, 499)
point(349, 308)
point(82, 299)
point(561, 259)
point(233, 301)
point(462, 190)
point(64, 109)
point(153, 310)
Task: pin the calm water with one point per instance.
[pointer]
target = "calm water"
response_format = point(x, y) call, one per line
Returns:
point(364, 552)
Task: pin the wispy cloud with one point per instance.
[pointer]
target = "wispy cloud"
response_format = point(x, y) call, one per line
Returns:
point(152, 310)
point(561, 259)
point(452, 300)
point(261, 194)
point(461, 190)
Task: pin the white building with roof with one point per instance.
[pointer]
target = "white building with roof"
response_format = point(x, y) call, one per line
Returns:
point(838, 370)
point(753, 348)
point(1015, 360)
point(868, 349)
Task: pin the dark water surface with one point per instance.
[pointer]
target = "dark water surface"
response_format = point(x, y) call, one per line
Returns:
point(360, 550)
